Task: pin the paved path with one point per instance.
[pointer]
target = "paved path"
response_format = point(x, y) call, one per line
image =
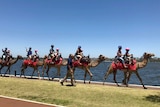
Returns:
point(15, 102)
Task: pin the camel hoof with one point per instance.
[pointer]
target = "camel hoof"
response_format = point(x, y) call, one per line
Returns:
point(145, 87)
point(61, 83)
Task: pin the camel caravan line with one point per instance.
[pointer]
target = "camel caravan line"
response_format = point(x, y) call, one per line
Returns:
point(86, 64)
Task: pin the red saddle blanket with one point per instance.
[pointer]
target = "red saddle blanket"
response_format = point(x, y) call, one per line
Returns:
point(76, 63)
point(49, 61)
point(29, 62)
point(120, 66)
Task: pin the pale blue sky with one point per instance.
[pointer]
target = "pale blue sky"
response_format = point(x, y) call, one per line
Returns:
point(99, 26)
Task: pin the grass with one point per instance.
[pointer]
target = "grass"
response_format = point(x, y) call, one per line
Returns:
point(81, 95)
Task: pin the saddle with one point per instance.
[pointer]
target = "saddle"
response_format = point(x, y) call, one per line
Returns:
point(85, 59)
point(54, 61)
point(119, 65)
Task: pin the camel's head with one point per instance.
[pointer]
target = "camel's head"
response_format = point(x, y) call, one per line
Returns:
point(45, 57)
point(101, 57)
point(148, 55)
point(19, 57)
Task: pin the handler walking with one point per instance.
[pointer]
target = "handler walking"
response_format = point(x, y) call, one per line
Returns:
point(70, 71)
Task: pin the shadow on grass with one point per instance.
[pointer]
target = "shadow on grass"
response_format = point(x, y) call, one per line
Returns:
point(70, 85)
point(153, 98)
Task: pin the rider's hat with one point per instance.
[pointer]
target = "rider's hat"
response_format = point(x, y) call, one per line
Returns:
point(127, 49)
point(119, 47)
point(79, 46)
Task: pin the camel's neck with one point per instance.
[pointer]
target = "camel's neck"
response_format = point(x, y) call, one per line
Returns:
point(95, 63)
point(143, 63)
point(14, 61)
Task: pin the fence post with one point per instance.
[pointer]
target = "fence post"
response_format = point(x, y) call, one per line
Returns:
point(15, 73)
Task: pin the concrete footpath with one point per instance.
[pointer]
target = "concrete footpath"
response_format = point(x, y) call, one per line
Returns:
point(16, 102)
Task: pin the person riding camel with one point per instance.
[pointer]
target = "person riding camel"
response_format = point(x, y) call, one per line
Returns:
point(4, 55)
point(127, 56)
point(51, 52)
point(9, 55)
point(29, 53)
point(119, 56)
point(79, 54)
point(56, 54)
point(35, 56)
point(129, 59)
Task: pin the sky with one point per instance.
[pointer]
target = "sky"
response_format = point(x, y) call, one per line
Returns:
point(98, 26)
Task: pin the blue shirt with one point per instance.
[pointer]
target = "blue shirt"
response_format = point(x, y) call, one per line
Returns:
point(70, 63)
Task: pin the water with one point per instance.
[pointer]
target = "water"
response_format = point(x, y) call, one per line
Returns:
point(149, 74)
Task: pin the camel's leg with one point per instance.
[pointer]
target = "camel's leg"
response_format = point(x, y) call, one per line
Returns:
point(7, 71)
point(1, 69)
point(58, 72)
point(22, 71)
point(109, 71)
point(114, 77)
point(0, 73)
point(38, 74)
point(136, 72)
point(47, 72)
point(32, 73)
point(128, 77)
point(44, 67)
point(85, 74)
point(89, 72)
point(126, 74)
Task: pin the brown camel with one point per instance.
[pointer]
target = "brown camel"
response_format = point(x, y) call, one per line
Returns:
point(11, 62)
point(48, 65)
point(93, 63)
point(33, 65)
point(128, 72)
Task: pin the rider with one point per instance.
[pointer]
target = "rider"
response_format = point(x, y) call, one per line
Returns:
point(127, 56)
point(29, 53)
point(79, 54)
point(119, 56)
point(9, 55)
point(51, 52)
point(35, 56)
point(56, 54)
point(4, 56)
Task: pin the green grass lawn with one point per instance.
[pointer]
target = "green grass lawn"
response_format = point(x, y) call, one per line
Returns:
point(81, 95)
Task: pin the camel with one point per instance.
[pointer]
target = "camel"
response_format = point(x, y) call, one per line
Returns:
point(33, 65)
point(11, 62)
point(86, 68)
point(57, 65)
point(128, 72)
